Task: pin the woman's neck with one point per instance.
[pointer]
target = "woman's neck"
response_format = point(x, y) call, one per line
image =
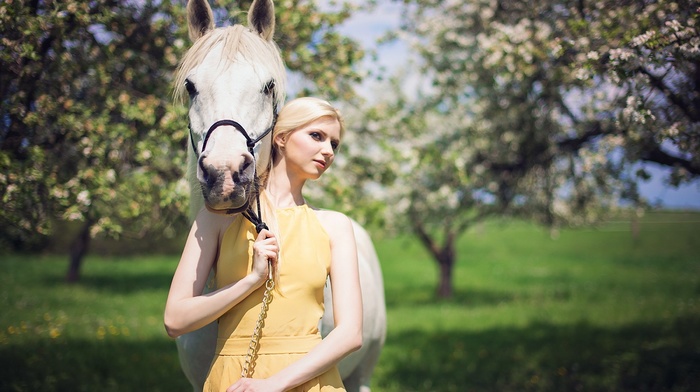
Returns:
point(283, 191)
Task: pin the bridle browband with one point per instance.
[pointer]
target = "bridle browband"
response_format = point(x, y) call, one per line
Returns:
point(246, 210)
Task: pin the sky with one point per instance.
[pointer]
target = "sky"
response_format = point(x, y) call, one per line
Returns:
point(366, 27)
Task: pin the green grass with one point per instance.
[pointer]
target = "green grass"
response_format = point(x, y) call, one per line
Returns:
point(104, 333)
point(592, 310)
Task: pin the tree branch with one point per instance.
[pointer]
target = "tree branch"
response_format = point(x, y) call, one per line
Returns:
point(675, 99)
point(425, 238)
point(657, 155)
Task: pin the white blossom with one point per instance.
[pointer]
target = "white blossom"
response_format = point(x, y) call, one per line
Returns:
point(641, 40)
point(84, 198)
point(110, 175)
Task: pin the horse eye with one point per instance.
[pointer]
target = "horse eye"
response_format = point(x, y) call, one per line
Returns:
point(190, 88)
point(269, 87)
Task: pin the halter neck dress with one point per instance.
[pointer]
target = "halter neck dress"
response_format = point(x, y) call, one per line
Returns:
point(290, 329)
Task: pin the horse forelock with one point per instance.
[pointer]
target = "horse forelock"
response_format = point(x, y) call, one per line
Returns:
point(236, 39)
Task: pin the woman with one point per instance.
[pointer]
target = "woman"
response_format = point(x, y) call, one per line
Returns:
point(303, 247)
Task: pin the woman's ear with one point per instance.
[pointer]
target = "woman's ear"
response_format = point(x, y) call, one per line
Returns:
point(280, 141)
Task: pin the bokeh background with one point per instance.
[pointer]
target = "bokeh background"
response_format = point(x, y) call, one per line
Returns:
point(528, 172)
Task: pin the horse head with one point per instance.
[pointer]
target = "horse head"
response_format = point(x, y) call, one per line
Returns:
point(235, 79)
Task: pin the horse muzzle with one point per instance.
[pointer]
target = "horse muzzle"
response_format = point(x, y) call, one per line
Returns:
point(227, 184)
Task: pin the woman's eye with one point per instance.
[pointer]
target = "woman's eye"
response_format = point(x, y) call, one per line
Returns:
point(335, 145)
point(316, 135)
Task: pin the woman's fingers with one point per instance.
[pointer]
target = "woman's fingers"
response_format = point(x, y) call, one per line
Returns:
point(266, 253)
point(268, 244)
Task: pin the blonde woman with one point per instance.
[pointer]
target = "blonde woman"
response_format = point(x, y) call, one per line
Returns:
point(304, 246)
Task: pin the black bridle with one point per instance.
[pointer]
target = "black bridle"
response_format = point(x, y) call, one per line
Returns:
point(246, 210)
point(250, 142)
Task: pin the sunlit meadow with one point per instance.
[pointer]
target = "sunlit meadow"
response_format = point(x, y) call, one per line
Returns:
point(592, 310)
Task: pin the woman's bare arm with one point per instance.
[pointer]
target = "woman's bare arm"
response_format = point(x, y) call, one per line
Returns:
point(186, 309)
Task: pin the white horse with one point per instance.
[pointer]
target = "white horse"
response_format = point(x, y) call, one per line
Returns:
point(236, 79)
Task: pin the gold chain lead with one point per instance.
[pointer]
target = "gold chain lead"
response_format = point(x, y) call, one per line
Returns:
point(251, 355)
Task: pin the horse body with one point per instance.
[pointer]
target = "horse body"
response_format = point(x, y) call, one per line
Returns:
point(237, 74)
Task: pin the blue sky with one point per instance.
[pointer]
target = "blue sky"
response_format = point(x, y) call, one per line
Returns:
point(367, 27)
point(657, 191)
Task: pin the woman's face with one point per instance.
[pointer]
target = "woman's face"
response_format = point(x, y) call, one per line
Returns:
point(310, 149)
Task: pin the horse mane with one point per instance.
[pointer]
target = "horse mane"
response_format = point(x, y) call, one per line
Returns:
point(237, 39)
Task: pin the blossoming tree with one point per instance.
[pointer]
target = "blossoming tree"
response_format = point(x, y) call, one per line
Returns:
point(547, 110)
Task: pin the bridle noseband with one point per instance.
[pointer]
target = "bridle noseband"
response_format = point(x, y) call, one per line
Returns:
point(250, 142)
point(246, 210)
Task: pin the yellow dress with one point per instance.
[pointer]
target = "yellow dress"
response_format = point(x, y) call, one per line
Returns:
point(291, 326)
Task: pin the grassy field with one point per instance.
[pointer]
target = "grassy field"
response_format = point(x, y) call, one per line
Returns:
point(593, 310)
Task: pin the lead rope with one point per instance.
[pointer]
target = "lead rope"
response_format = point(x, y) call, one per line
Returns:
point(256, 219)
point(254, 344)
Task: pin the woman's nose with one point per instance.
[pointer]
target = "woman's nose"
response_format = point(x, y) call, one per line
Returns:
point(327, 148)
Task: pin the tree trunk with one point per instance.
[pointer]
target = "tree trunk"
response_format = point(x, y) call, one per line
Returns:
point(446, 261)
point(445, 285)
point(444, 256)
point(78, 249)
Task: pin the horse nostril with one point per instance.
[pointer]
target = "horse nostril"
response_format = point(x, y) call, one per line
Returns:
point(245, 173)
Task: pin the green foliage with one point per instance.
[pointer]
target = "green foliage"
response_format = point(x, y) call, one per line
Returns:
point(88, 132)
point(311, 47)
point(594, 310)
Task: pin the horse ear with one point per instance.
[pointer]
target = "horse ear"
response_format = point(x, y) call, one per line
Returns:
point(261, 18)
point(200, 19)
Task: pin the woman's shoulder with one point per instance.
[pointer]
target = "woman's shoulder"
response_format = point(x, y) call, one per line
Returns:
point(330, 216)
point(333, 221)
point(340, 230)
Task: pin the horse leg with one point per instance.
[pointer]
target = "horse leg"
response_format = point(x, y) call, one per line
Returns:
point(196, 351)
point(360, 379)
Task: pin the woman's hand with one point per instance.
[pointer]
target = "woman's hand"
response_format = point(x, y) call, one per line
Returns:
point(254, 385)
point(265, 251)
